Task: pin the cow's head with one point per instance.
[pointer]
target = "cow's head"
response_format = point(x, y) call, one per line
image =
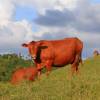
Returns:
point(33, 48)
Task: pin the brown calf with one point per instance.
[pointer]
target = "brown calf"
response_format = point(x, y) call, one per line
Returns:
point(23, 73)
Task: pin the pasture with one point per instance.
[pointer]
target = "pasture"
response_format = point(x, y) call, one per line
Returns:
point(58, 86)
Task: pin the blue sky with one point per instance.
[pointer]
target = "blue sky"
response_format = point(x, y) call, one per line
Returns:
point(49, 19)
point(30, 13)
point(95, 1)
point(24, 12)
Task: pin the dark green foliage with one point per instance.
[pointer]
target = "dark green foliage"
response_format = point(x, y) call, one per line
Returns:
point(9, 63)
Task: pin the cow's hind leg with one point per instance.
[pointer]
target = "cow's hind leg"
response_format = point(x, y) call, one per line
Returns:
point(75, 65)
point(80, 59)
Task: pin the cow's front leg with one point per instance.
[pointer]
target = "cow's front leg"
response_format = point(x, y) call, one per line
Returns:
point(48, 67)
point(39, 74)
point(39, 70)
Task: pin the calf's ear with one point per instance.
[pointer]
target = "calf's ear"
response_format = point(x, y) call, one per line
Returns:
point(24, 45)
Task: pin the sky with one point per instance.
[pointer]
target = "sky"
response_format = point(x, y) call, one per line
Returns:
point(22, 21)
point(95, 1)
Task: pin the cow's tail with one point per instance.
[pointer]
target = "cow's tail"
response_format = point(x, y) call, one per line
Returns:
point(80, 59)
point(80, 54)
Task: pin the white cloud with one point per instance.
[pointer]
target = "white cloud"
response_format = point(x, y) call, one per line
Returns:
point(6, 11)
point(13, 33)
point(42, 5)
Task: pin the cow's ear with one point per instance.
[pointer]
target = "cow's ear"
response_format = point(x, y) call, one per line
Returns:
point(24, 45)
point(32, 42)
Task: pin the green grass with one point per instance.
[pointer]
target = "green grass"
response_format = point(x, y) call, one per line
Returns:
point(58, 86)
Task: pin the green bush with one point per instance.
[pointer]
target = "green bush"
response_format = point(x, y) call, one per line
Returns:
point(9, 63)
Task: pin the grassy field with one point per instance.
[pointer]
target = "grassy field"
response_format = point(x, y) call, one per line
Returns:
point(57, 86)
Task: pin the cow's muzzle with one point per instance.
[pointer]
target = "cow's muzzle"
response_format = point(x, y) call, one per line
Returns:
point(34, 57)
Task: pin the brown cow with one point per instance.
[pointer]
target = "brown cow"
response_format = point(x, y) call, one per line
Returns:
point(23, 73)
point(47, 53)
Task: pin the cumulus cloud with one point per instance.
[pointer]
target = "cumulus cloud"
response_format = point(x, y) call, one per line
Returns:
point(14, 32)
point(56, 19)
point(42, 5)
point(88, 18)
point(85, 18)
point(6, 11)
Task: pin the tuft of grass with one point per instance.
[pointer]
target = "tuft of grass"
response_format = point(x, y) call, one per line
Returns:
point(58, 86)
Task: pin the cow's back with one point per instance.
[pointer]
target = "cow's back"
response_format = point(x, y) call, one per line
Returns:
point(61, 52)
point(64, 51)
